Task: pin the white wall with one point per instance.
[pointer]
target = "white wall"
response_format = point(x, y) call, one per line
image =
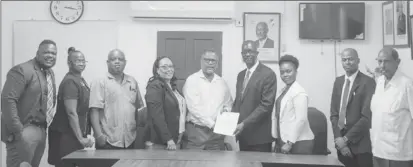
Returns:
point(138, 39)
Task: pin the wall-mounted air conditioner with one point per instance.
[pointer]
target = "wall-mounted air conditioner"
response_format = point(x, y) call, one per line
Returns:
point(183, 10)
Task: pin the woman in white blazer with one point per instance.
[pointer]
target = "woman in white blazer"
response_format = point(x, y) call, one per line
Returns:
point(290, 124)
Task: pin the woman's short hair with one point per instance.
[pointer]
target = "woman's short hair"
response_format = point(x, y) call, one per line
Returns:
point(289, 58)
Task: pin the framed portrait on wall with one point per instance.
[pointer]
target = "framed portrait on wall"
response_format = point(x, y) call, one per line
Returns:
point(401, 23)
point(265, 30)
point(387, 26)
point(411, 36)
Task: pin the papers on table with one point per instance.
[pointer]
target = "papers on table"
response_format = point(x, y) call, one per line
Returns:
point(226, 123)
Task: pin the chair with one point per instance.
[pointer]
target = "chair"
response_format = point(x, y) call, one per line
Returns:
point(318, 124)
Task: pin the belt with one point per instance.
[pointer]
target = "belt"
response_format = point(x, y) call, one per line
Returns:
point(200, 126)
point(38, 124)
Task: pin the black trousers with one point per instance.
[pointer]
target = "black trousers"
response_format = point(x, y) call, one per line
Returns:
point(358, 160)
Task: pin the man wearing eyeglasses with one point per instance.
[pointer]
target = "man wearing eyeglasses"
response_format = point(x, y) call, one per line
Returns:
point(255, 95)
point(114, 101)
point(206, 95)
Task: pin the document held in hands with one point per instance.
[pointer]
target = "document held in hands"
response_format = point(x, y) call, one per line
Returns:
point(226, 123)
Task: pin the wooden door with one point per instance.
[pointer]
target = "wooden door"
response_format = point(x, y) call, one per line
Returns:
point(185, 48)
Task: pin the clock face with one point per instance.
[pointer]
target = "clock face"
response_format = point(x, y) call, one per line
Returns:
point(66, 12)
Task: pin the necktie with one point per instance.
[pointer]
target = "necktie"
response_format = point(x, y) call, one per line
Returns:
point(343, 109)
point(244, 84)
point(50, 111)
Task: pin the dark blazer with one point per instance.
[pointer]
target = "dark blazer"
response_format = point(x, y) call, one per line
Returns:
point(269, 43)
point(24, 97)
point(358, 115)
point(256, 105)
point(163, 112)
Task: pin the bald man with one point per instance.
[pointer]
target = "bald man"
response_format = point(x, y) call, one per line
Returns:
point(263, 40)
point(114, 101)
point(392, 114)
point(255, 96)
point(350, 112)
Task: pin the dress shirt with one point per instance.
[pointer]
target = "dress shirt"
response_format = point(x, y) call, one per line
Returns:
point(205, 99)
point(392, 115)
point(351, 78)
point(252, 69)
point(120, 102)
point(262, 42)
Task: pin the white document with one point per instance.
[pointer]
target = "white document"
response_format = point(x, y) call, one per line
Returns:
point(226, 123)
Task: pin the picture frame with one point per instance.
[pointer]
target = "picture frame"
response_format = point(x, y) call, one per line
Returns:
point(401, 14)
point(411, 35)
point(267, 27)
point(388, 23)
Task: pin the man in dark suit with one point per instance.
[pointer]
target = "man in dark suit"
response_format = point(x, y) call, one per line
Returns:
point(263, 40)
point(255, 94)
point(28, 98)
point(351, 114)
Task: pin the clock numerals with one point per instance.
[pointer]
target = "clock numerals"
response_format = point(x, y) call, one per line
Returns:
point(55, 7)
point(67, 18)
point(57, 13)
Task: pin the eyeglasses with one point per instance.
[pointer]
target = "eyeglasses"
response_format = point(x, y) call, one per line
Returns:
point(249, 52)
point(166, 67)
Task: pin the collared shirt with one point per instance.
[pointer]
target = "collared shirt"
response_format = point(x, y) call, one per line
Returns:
point(252, 69)
point(351, 78)
point(262, 42)
point(392, 118)
point(119, 102)
point(205, 99)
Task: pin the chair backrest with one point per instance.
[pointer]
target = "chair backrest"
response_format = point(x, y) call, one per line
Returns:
point(318, 124)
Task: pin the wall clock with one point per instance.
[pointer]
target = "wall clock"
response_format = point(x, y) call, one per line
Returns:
point(66, 12)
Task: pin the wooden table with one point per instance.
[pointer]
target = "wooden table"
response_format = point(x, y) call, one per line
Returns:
point(176, 163)
point(110, 157)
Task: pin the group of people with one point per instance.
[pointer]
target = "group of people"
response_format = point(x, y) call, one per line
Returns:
point(371, 117)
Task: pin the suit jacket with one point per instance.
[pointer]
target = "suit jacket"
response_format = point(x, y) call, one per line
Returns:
point(163, 112)
point(24, 97)
point(294, 125)
point(256, 104)
point(358, 115)
point(269, 43)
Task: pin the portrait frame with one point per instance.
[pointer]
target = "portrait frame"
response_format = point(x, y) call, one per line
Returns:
point(401, 15)
point(270, 48)
point(411, 35)
point(388, 23)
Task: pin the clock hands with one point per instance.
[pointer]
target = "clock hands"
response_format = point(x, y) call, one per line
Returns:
point(66, 7)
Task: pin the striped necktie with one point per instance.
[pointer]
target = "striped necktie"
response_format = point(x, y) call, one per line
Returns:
point(246, 79)
point(50, 110)
point(343, 109)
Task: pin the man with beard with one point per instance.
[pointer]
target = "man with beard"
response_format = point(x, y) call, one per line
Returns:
point(351, 114)
point(255, 95)
point(262, 34)
point(206, 95)
point(114, 101)
point(27, 100)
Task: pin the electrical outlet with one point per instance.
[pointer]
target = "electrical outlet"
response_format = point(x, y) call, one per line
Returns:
point(238, 23)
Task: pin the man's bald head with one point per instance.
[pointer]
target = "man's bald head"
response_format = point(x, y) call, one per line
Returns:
point(350, 61)
point(249, 53)
point(116, 52)
point(116, 62)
